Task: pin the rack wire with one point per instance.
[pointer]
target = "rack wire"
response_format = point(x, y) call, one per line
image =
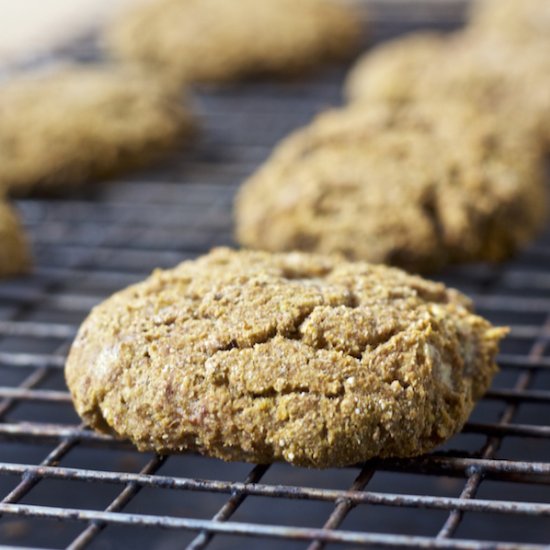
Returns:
point(64, 486)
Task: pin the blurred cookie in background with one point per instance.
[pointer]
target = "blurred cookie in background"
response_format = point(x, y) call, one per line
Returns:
point(392, 71)
point(515, 21)
point(75, 124)
point(218, 41)
point(421, 186)
point(491, 74)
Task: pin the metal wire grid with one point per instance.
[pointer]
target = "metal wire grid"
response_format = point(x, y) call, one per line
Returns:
point(88, 247)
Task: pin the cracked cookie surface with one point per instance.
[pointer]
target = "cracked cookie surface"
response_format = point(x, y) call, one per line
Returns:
point(421, 186)
point(71, 125)
point(14, 249)
point(282, 357)
point(218, 41)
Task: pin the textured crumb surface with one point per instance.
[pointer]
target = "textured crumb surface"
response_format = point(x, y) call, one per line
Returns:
point(296, 357)
point(217, 40)
point(419, 187)
point(71, 125)
point(14, 250)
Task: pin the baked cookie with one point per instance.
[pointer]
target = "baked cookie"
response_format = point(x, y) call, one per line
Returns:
point(499, 76)
point(391, 71)
point(466, 66)
point(513, 21)
point(14, 250)
point(266, 357)
point(218, 41)
point(72, 125)
point(419, 187)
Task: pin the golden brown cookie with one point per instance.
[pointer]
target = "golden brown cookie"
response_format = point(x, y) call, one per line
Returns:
point(219, 40)
point(72, 125)
point(265, 357)
point(513, 21)
point(498, 76)
point(391, 71)
point(14, 250)
point(419, 187)
point(492, 74)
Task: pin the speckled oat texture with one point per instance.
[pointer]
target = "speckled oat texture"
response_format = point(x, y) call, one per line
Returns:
point(71, 125)
point(266, 357)
point(419, 187)
point(220, 40)
point(14, 250)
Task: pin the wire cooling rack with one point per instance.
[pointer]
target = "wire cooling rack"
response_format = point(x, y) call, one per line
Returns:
point(63, 486)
